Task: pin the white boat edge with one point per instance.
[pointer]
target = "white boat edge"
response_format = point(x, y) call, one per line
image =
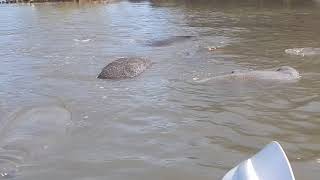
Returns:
point(271, 163)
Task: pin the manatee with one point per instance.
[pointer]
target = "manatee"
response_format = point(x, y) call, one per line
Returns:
point(125, 68)
point(169, 41)
point(307, 51)
point(30, 135)
point(283, 73)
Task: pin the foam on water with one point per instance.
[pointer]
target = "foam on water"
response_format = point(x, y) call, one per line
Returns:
point(306, 51)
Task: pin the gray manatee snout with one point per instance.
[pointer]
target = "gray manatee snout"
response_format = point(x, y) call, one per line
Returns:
point(124, 68)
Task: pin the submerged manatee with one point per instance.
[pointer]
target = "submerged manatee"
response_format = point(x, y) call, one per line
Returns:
point(307, 51)
point(283, 73)
point(30, 135)
point(124, 68)
point(169, 41)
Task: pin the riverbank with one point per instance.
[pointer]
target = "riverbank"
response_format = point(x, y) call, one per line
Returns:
point(40, 1)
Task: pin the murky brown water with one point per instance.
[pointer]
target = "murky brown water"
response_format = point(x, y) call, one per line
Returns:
point(160, 125)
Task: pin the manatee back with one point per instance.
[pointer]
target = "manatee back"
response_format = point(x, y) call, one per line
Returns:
point(124, 68)
point(254, 76)
point(30, 135)
point(169, 41)
point(36, 126)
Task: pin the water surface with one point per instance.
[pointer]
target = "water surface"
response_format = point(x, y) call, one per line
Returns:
point(160, 125)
